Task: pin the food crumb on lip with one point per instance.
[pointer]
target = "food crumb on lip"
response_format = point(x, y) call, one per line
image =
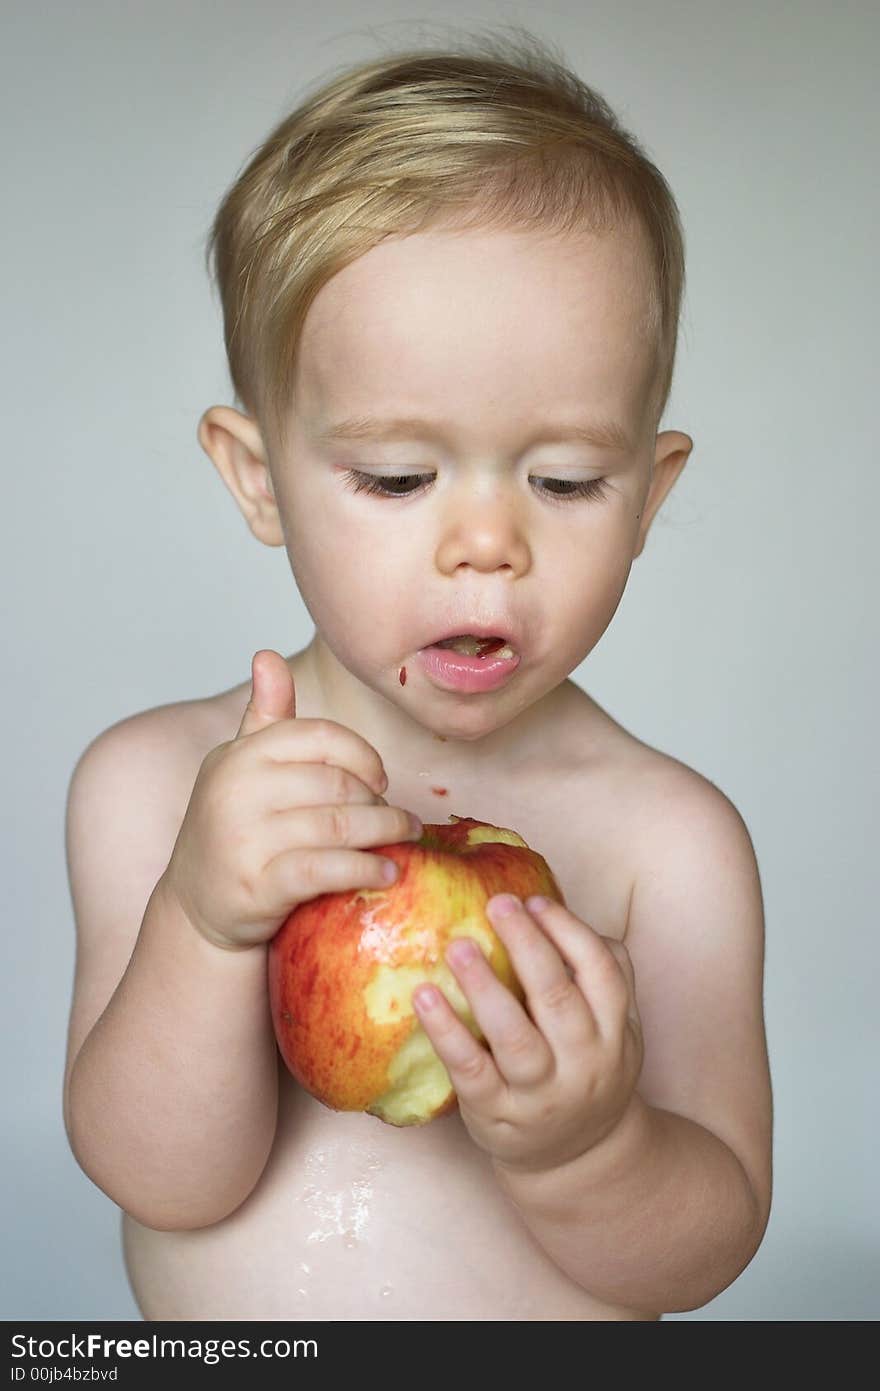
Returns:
point(470, 645)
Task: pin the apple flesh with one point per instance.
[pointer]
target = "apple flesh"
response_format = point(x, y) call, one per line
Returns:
point(343, 967)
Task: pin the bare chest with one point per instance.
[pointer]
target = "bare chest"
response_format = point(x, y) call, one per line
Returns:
point(575, 823)
point(355, 1219)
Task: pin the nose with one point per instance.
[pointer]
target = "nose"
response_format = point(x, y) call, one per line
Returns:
point(483, 527)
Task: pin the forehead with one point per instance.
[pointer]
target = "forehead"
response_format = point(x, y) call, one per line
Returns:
point(476, 321)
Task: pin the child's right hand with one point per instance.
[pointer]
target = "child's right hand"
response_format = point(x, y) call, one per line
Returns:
point(274, 815)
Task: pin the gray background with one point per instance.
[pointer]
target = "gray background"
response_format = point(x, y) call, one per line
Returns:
point(740, 647)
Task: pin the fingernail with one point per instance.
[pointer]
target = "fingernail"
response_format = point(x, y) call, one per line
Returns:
point(415, 824)
point(426, 997)
point(389, 871)
point(463, 952)
point(503, 904)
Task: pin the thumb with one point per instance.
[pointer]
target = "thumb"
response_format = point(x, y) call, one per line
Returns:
point(273, 695)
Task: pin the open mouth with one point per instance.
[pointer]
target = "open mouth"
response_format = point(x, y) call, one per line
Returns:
point(469, 645)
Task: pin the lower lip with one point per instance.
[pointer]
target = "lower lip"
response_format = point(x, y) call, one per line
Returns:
point(456, 672)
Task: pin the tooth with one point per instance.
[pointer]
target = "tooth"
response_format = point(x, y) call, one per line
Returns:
point(469, 645)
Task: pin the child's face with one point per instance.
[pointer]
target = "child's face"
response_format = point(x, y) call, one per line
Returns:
point(495, 337)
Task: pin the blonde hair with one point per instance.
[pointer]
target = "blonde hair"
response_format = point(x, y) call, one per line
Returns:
point(488, 133)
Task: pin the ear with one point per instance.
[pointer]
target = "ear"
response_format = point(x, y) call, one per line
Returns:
point(234, 444)
point(671, 455)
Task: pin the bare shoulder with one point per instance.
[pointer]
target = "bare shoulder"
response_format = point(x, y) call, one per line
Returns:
point(648, 793)
point(695, 938)
point(126, 800)
point(668, 793)
point(686, 830)
point(159, 744)
point(128, 793)
point(696, 881)
point(678, 811)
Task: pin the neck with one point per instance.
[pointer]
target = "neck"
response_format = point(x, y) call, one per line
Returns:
point(458, 744)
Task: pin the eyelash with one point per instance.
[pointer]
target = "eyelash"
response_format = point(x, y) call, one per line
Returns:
point(591, 488)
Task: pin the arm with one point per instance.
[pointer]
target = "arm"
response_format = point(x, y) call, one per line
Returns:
point(668, 1209)
point(658, 1216)
point(171, 1087)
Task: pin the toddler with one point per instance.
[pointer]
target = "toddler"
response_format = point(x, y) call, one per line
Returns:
point(451, 285)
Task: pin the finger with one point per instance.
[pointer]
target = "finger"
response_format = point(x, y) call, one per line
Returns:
point(597, 970)
point(471, 1067)
point(322, 741)
point(273, 695)
point(352, 825)
point(278, 787)
point(555, 1000)
point(295, 876)
point(522, 1055)
point(624, 960)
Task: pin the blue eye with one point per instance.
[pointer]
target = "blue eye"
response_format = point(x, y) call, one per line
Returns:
point(384, 486)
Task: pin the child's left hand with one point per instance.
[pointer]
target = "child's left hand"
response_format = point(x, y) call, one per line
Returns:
point(555, 1083)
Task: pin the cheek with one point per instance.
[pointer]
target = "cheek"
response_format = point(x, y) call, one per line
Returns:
point(611, 560)
point(593, 577)
point(337, 577)
point(599, 552)
point(349, 581)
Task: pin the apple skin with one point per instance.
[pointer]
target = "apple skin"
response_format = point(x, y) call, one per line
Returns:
point(343, 966)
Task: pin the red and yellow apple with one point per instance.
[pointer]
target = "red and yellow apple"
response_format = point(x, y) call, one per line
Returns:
point(343, 967)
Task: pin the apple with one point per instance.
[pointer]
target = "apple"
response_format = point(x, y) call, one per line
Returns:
point(342, 968)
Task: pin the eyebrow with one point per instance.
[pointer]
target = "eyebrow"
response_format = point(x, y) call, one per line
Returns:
point(601, 434)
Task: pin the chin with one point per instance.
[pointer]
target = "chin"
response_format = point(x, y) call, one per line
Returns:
point(477, 729)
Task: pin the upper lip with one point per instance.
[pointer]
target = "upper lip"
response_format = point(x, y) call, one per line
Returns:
point(480, 630)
